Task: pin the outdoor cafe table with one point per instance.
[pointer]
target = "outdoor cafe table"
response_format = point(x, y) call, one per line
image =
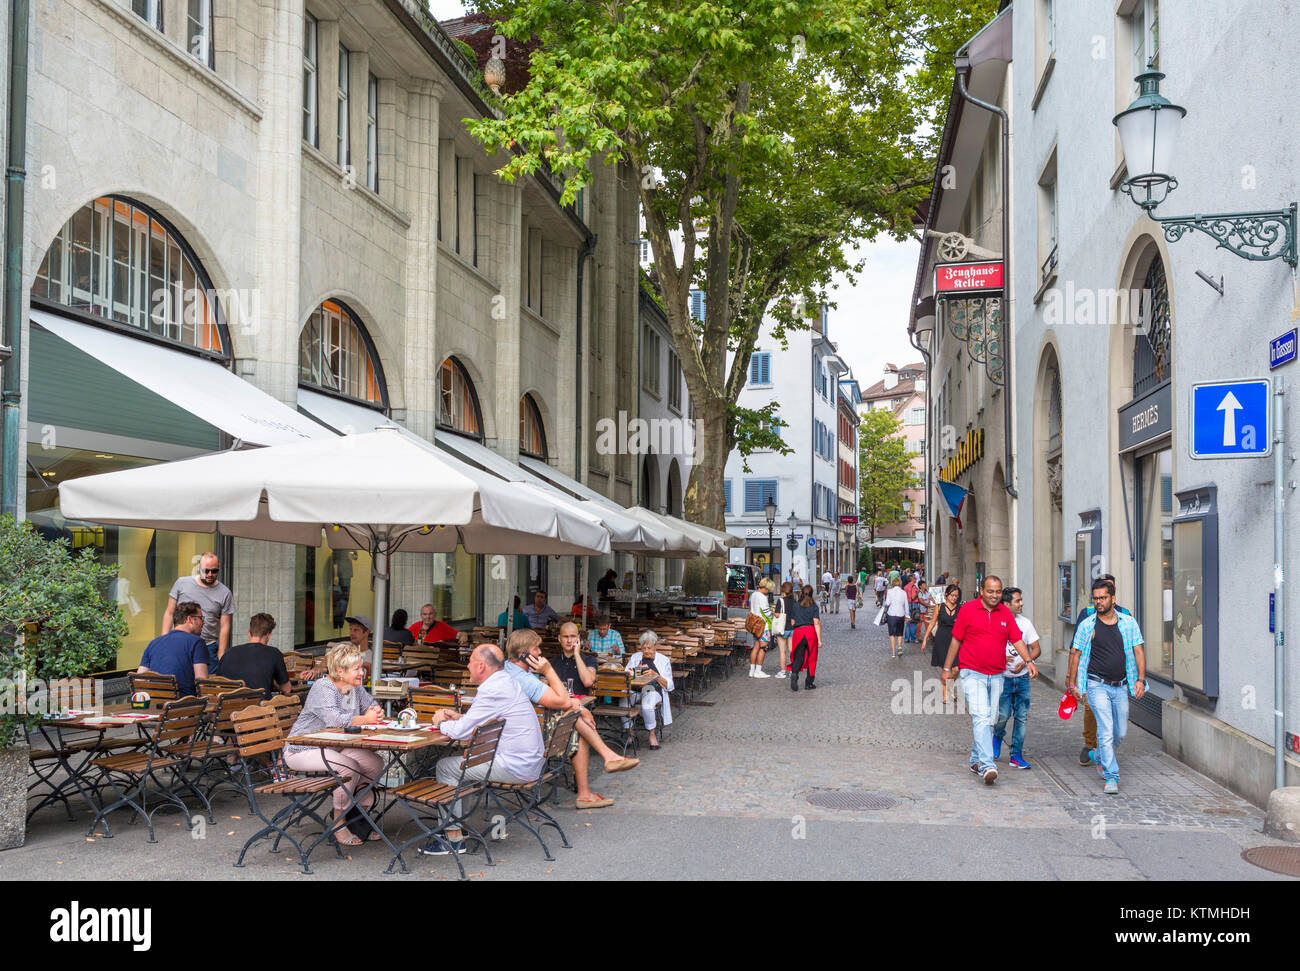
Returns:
point(85, 720)
point(392, 743)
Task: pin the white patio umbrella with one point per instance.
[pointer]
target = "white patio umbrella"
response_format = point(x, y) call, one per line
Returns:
point(379, 491)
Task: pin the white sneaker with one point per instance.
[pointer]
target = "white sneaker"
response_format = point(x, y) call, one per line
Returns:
point(751, 671)
point(782, 674)
point(761, 674)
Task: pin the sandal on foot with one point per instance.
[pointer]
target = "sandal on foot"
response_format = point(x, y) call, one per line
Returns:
point(621, 765)
point(598, 803)
point(345, 837)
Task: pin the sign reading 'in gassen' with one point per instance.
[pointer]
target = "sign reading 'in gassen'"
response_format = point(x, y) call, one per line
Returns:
point(968, 277)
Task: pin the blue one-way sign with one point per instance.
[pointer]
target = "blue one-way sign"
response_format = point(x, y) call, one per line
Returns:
point(1231, 419)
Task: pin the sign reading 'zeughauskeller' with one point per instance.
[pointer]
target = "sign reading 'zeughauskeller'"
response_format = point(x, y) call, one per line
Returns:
point(1146, 419)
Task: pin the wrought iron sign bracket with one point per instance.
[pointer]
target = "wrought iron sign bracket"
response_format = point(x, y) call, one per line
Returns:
point(1259, 236)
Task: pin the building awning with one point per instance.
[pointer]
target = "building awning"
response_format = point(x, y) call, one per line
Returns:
point(201, 387)
point(900, 543)
point(688, 537)
point(344, 417)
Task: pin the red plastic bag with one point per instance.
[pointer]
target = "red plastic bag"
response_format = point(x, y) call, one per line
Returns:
point(1068, 704)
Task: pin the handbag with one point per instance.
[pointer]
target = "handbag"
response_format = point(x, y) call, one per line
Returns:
point(778, 624)
point(755, 625)
point(880, 616)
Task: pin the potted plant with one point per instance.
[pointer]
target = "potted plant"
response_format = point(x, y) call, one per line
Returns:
point(56, 621)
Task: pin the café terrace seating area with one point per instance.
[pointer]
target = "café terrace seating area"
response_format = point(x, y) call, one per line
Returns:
point(118, 768)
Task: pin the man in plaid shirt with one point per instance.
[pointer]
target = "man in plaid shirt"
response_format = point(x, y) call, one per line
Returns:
point(1107, 664)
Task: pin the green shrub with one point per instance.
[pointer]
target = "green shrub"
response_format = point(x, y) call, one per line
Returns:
point(56, 618)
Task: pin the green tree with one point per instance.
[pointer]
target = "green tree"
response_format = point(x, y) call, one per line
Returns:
point(767, 135)
point(884, 470)
point(56, 620)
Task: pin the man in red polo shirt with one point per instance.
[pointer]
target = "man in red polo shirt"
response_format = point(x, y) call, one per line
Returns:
point(429, 629)
point(983, 629)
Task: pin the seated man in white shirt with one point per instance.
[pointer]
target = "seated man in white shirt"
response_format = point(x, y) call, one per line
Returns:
point(520, 754)
point(524, 663)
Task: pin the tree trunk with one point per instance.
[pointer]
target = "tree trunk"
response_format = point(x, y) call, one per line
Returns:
point(705, 501)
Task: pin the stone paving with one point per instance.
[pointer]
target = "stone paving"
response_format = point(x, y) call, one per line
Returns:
point(874, 724)
point(727, 795)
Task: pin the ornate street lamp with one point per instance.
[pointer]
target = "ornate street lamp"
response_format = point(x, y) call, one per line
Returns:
point(770, 511)
point(1148, 129)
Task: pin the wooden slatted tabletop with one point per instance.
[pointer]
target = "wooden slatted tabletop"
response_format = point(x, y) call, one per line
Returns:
point(374, 740)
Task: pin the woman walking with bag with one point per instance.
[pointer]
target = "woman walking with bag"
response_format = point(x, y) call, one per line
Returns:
point(896, 614)
point(806, 639)
point(759, 625)
point(782, 604)
point(851, 591)
point(940, 628)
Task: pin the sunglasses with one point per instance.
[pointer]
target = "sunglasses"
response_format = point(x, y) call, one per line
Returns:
point(213, 571)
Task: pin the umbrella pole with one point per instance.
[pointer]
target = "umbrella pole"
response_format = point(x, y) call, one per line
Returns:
point(510, 600)
point(633, 586)
point(380, 567)
point(586, 599)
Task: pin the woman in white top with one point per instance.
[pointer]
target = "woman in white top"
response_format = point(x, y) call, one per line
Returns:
point(896, 612)
point(758, 604)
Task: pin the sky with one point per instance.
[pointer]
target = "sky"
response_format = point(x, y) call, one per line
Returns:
point(870, 324)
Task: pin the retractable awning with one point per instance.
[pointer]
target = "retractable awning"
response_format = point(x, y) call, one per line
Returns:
point(202, 387)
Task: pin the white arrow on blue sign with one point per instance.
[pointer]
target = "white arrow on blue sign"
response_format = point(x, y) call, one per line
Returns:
point(1231, 419)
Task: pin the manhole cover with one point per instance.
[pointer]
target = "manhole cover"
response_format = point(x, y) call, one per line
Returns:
point(847, 799)
point(1279, 859)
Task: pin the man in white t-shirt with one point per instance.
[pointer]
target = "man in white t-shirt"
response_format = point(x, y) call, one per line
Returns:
point(1014, 702)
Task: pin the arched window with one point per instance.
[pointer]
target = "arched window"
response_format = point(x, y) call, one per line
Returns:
point(457, 400)
point(1153, 346)
point(1053, 410)
point(118, 260)
point(335, 354)
point(532, 436)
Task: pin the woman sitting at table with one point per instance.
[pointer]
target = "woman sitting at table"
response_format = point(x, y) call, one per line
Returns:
point(648, 660)
point(332, 704)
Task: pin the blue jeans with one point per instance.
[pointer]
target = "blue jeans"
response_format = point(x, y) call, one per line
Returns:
point(983, 693)
point(1110, 707)
point(1013, 704)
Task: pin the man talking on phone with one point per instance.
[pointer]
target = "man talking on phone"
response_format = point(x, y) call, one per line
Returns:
point(524, 663)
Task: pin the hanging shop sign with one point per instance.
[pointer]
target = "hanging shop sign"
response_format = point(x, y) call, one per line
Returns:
point(848, 520)
point(1146, 419)
point(977, 321)
point(970, 451)
point(980, 277)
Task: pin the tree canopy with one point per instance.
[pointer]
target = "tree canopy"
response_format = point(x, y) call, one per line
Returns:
point(884, 470)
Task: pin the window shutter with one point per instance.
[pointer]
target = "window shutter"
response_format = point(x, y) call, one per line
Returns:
point(726, 492)
point(767, 368)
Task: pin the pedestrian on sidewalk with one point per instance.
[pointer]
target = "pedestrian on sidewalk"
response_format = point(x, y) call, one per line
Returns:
point(1014, 703)
point(980, 635)
point(917, 607)
point(880, 584)
point(896, 612)
point(939, 626)
point(760, 606)
point(781, 625)
point(1088, 754)
point(806, 640)
point(837, 588)
point(1107, 664)
point(853, 592)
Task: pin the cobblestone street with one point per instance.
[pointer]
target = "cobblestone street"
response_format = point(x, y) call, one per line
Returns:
point(727, 796)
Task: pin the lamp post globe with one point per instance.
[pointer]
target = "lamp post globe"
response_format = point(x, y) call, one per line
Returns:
point(1148, 129)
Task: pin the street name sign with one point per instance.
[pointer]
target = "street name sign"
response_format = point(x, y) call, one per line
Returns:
point(1231, 419)
point(1282, 350)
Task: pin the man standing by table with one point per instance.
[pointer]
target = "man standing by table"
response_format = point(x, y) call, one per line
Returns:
point(1107, 664)
point(983, 629)
point(539, 613)
point(520, 752)
point(215, 600)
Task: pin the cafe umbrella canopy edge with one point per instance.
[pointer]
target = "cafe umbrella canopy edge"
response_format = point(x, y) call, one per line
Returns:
point(290, 493)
